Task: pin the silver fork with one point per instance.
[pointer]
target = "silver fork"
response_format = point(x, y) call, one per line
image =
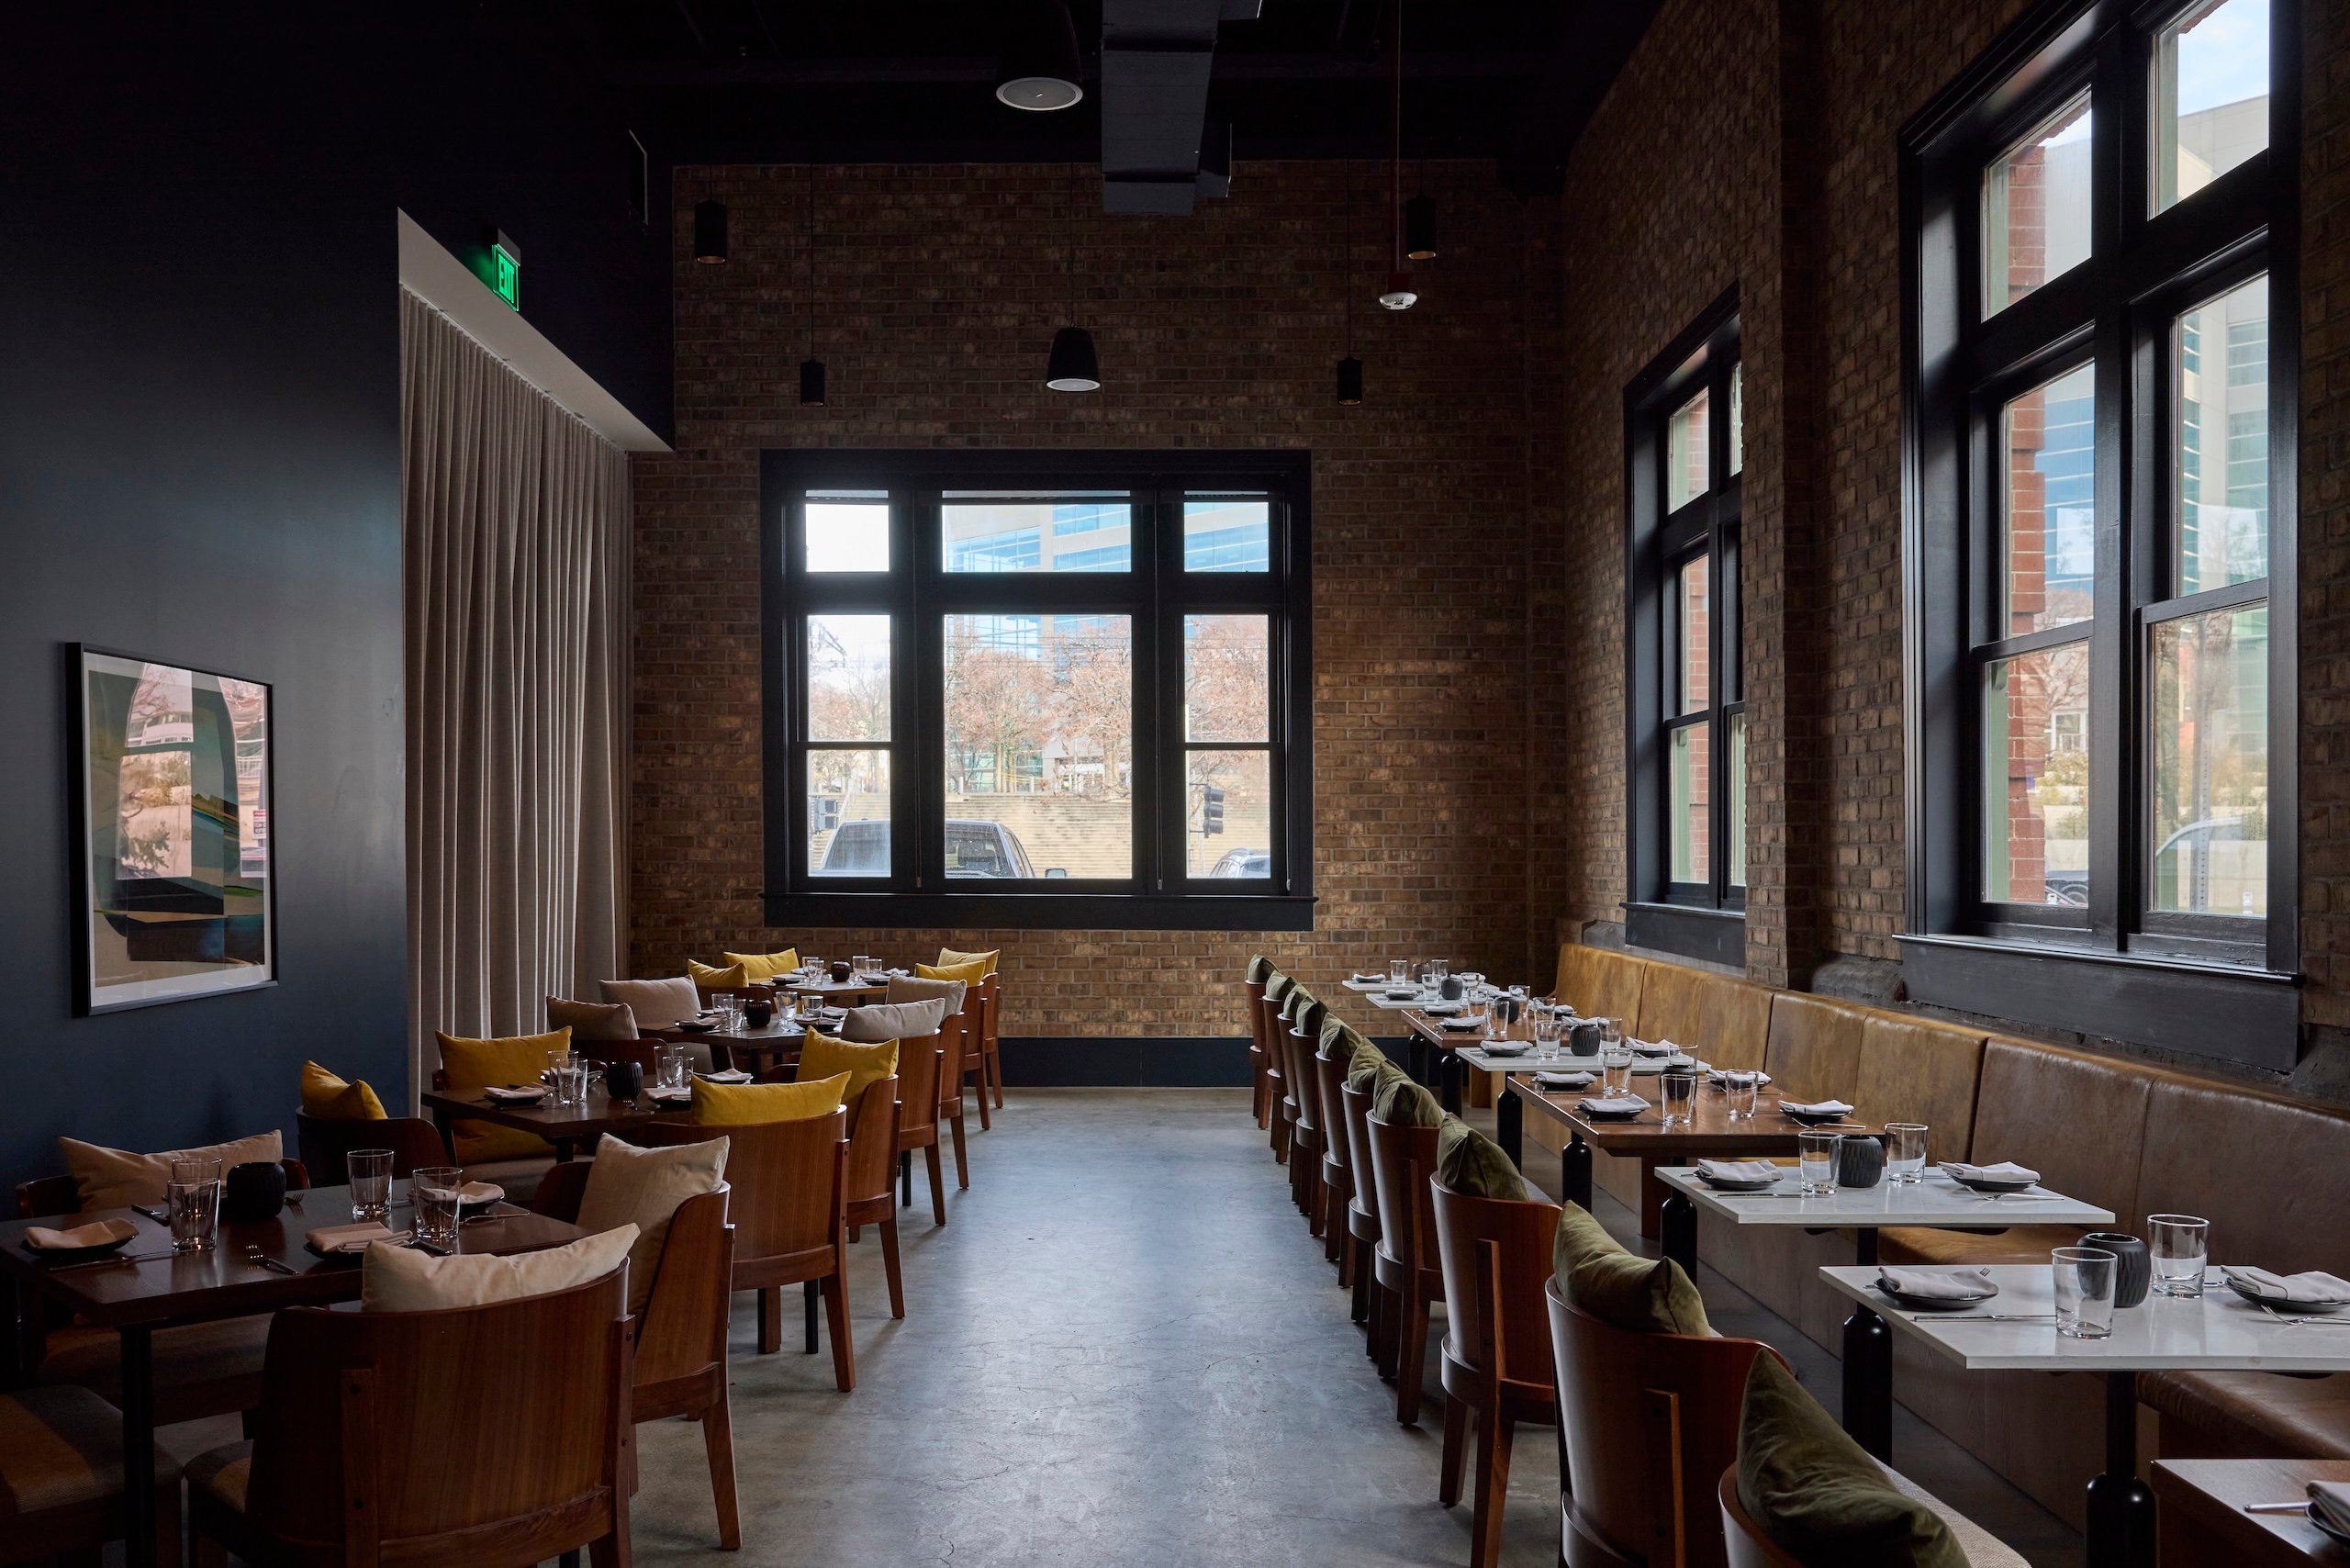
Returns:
point(260, 1260)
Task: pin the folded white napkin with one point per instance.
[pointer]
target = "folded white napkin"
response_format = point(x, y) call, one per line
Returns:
point(1653, 1048)
point(1566, 1079)
point(731, 1075)
point(2332, 1498)
point(1816, 1107)
point(1438, 1009)
point(514, 1095)
point(1721, 1075)
point(1940, 1284)
point(1741, 1170)
point(1366, 978)
point(682, 1095)
point(1614, 1103)
point(1460, 1023)
point(2005, 1171)
point(2313, 1288)
point(348, 1237)
point(97, 1233)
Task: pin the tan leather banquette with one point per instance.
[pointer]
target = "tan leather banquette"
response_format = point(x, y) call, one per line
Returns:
point(2272, 1175)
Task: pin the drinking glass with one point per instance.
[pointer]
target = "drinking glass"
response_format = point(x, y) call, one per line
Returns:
point(434, 1191)
point(863, 965)
point(1611, 1032)
point(580, 1074)
point(2180, 1246)
point(2085, 1277)
point(369, 1171)
point(1739, 1085)
point(1616, 1068)
point(1816, 1163)
point(1905, 1151)
point(1680, 1098)
point(1399, 973)
point(1546, 1027)
point(1439, 970)
point(1496, 1020)
point(192, 1196)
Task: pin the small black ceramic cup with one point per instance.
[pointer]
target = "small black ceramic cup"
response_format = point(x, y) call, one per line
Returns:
point(624, 1079)
point(1860, 1162)
point(2133, 1266)
point(253, 1192)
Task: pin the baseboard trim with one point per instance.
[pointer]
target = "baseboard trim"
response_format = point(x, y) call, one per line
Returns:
point(1125, 1061)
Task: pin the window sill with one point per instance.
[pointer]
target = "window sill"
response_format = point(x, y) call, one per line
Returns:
point(1040, 912)
point(2228, 1013)
point(1693, 931)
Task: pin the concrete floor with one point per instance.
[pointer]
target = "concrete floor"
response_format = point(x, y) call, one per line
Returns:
point(1124, 1350)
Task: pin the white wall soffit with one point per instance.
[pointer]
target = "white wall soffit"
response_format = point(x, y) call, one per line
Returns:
point(447, 284)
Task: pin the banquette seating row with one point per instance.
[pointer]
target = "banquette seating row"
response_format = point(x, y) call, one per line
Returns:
point(2135, 1138)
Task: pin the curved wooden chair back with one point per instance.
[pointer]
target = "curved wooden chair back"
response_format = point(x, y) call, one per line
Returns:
point(681, 1334)
point(1268, 1025)
point(325, 1143)
point(1256, 1005)
point(991, 1013)
point(1651, 1421)
point(786, 1179)
point(1355, 1114)
point(1746, 1545)
point(1495, 1254)
point(922, 1066)
point(445, 1436)
point(872, 1167)
point(1403, 1159)
point(1330, 1080)
point(1297, 1056)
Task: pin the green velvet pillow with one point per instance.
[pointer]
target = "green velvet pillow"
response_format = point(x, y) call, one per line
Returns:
point(1638, 1295)
point(1404, 1103)
point(1277, 985)
point(1580, 1236)
point(1470, 1163)
point(1817, 1492)
point(1372, 1074)
point(1261, 969)
point(1307, 1015)
point(1342, 1043)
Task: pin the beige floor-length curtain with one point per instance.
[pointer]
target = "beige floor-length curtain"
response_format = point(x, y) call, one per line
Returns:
point(517, 538)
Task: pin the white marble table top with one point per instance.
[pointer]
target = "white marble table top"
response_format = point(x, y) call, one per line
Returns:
point(1936, 1201)
point(2218, 1331)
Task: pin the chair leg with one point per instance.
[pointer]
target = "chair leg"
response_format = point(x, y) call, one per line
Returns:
point(995, 1072)
point(888, 1228)
point(1494, 1433)
point(807, 1307)
point(844, 1352)
point(1456, 1432)
point(717, 1442)
point(569, 1559)
point(770, 1320)
point(938, 1177)
point(1338, 1241)
point(168, 1526)
point(905, 1177)
point(611, 1550)
point(962, 1160)
point(1387, 1312)
point(204, 1552)
point(986, 1122)
point(1411, 1358)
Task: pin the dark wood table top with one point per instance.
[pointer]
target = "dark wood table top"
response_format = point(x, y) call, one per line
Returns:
point(195, 1287)
point(600, 1115)
point(834, 990)
point(2207, 1496)
point(1710, 1134)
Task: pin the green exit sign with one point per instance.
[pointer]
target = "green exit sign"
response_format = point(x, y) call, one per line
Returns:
point(506, 261)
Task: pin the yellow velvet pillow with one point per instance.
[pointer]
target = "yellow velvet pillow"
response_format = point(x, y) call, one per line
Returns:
point(472, 1066)
point(710, 977)
point(948, 956)
point(328, 1097)
point(821, 1056)
point(764, 966)
point(753, 1105)
point(970, 974)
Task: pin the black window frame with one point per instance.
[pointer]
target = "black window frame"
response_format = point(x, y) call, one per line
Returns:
point(919, 594)
point(2209, 984)
point(1699, 920)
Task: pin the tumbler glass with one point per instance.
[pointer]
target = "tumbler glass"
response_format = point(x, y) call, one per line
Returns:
point(1679, 1095)
point(369, 1171)
point(2085, 1281)
point(1616, 1069)
point(1816, 1161)
point(1905, 1151)
point(1399, 973)
point(2181, 1247)
point(434, 1189)
point(192, 1196)
point(1739, 1085)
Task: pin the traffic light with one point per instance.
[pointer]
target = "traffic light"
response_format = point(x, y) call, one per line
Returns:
point(1211, 809)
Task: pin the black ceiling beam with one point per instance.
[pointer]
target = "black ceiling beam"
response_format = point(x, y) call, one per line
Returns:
point(1426, 65)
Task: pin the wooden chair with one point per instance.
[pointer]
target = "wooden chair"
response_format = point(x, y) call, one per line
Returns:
point(1497, 1356)
point(1745, 1545)
point(1362, 1215)
point(1275, 1122)
point(925, 1079)
point(680, 1340)
point(982, 1058)
point(1306, 1142)
point(478, 1437)
point(324, 1143)
point(871, 1195)
point(1337, 1163)
point(1405, 1265)
point(791, 1218)
point(955, 1034)
point(1259, 1059)
point(1650, 1418)
point(60, 1450)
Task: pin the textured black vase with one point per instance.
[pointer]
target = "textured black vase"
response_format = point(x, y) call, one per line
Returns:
point(1583, 1037)
point(2133, 1266)
point(624, 1079)
point(255, 1192)
point(1450, 988)
point(1860, 1162)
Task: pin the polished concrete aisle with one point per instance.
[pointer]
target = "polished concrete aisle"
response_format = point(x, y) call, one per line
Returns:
point(1122, 1350)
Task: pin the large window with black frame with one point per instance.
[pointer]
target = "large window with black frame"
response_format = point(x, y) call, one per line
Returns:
point(2100, 423)
point(1066, 689)
point(1688, 784)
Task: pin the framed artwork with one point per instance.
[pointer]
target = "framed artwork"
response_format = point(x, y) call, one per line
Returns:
point(176, 894)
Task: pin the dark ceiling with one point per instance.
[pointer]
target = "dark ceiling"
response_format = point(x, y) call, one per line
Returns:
point(801, 81)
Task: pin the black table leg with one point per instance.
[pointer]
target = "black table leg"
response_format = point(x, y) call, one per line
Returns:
point(23, 1351)
point(1416, 1063)
point(138, 1376)
point(564, 1151)
point(810, 1293)
point(905, 1178)
point(1574, 1172)
point(1676, 1224)
point(1509, 1125)
point(1868, 1369)
point(2120, 1508)
point(1451, 1075)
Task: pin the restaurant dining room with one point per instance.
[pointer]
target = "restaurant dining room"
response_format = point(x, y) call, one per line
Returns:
point(1020, 782)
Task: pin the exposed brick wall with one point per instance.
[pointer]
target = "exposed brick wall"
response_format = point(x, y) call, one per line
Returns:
point(2324, 482)
point(937, 293)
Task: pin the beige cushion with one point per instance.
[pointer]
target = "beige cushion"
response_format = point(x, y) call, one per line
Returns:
point(657, 1004)
point(1983, 1549)
point(903, 988)
point(884, 1021)
point(60, 1447)
point(116, 1178)
point(643, 1187)
point(406, 1278)
point(226, 1472)
point(592, 1019)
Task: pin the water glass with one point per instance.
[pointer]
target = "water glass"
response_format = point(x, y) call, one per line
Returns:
point(1905, 1151)
point(674, 1067)
point(2084, 1280)
point(1399, 973)
point(1496, 1020)
point(192, 1197)
point(369, 1171)
point(1546, 1027)
point(1616, 1068)
point(1439, 970)
point(434, 1191)
point(1680, 1098)
point(1611, 1032)
point(2181, 1247)
point(1739, 1085)
point(1816, 1163)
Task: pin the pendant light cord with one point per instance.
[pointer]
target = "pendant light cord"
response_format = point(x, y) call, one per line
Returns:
point(811, 260)
point(1395, 138)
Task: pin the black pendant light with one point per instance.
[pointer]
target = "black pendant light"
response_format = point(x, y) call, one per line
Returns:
point(1419, 229)
point(709, 232)
point(1038, 69)
point(1399, 294)
point(1072, 367)
point(812, 369)
point(1349, 368)
point(1351, 383)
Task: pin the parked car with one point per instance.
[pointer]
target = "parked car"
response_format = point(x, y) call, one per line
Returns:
point(974, 848)
point(1245, 863)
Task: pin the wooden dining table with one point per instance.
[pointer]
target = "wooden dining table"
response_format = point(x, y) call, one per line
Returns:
point(837, 993)
point(136, 1298)
point(566, 1126)
point(755, 1050)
